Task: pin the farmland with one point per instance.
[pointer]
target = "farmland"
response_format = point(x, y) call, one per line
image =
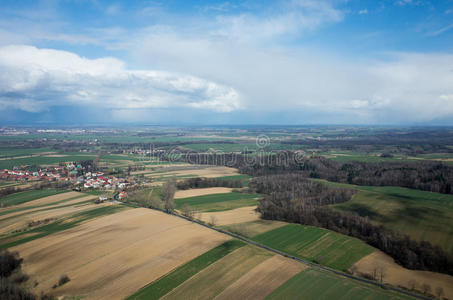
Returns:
point(43, 160)
point(239, 271)
point(58, 226)
point(396, 275)
point(329, 248)
point(320, 285)
point(421, 215)
point(142, 240)
point(253, 228)
point(136, 241)
point(201, 192)
point(237, 215)
point(170, 281)
point(17, 218)
point(218, 202)
point(196, 171)
point(212, 280)
point(14, 152)
point(23, 197)
point(121, 249)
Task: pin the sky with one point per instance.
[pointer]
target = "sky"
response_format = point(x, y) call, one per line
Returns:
point(226, 62)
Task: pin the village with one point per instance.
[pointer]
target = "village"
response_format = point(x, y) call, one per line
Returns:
point(70, 172)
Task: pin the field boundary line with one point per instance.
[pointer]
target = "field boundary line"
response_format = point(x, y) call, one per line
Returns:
point(304, 261)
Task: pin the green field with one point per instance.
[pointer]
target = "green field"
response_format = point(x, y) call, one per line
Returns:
point(13, 152)
point(346, 156)
point(218, 202)
point(22, 197)
point(243, 177)
point(436, 156)
point(170, 281)
point(42, 160)
point(8, 183)
point(314, 284)
point(42, 231)
point(253, 228)
point(323, 246)
point(421, 215)
point(215, 278)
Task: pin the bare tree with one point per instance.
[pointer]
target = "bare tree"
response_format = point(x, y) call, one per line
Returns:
point(375, 272)
point(439, 292)
point(426, 288)
point(213, 220)
point(381, 273)
point(168, 194)
point(188, 211)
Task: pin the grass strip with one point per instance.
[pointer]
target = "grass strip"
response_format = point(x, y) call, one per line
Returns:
point(26, 196)
point(170, 281)
point(58, 226)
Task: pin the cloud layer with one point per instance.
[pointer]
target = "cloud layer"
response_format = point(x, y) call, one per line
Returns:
point(34, 80)
point(288, 61)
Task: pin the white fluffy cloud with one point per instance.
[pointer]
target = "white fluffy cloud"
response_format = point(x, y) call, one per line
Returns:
point(33, 80)
point(255, 59)
point(397, 87)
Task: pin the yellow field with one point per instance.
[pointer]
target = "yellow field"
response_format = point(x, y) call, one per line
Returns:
point(200, 192)
point(199, 171)
point(238, 215)
point(263, 279)
point(214, 279)
point(253, 228)
point(113, 256)
point(396, 275)
point(28, 206)
point(45, 200)
point(55, 212)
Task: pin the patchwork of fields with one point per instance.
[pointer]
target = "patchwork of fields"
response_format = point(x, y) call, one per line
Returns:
point(346, 156)
point(201, 192)
point(218, 202)
point(23, 197)
point(314, 284)
point(113, 256)
point(237, 215)
point(396, 275)
point(114, 251)
point(47, 159)
point(421, 215)
point(238, 271)
point(316, 244)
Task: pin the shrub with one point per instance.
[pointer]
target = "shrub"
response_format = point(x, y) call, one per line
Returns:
point(63, 279)
point(19, 277)
point(11, 291)
point(9, 261)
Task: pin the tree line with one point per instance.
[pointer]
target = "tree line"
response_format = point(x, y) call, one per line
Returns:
point(291, 198)
point(422, 175)
point(298, 190)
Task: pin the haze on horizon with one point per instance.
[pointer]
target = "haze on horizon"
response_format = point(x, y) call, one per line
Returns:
point(226, 62)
